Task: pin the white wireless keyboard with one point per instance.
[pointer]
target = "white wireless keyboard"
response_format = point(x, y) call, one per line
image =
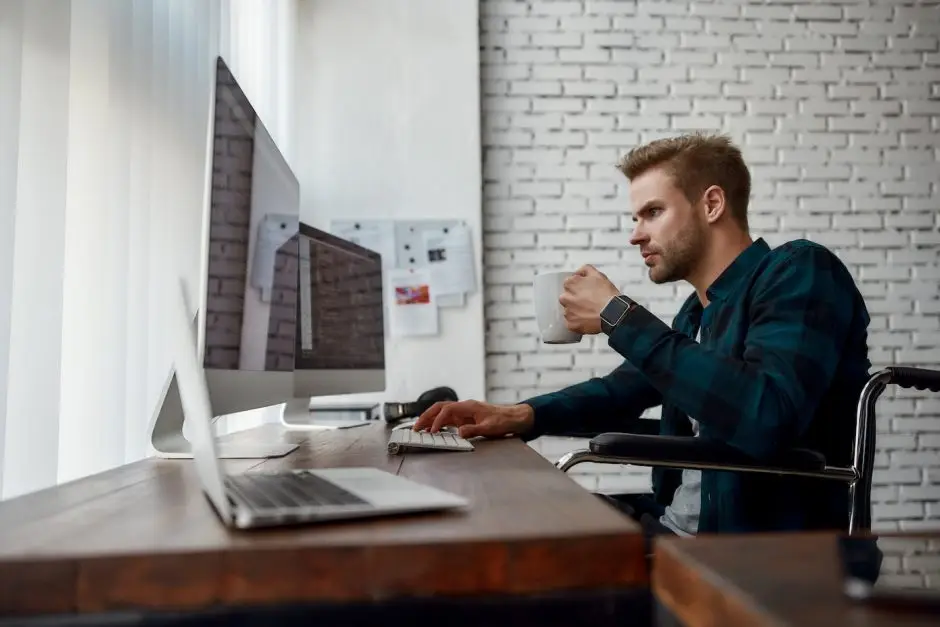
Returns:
point(403, 440)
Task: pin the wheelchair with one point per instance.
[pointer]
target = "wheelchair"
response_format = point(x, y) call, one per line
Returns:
point(648, 449)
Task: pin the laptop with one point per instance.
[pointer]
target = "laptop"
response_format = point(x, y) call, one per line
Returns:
point(255, 499)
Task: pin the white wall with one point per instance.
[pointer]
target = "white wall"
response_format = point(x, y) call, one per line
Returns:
point(387, 125)
point(103, 112)
point(837, 108)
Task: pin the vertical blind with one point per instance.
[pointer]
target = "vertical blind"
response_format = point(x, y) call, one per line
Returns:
point(104, 107)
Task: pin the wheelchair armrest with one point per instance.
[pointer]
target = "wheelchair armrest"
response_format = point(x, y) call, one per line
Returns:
point(678, 450)
point(920, 378)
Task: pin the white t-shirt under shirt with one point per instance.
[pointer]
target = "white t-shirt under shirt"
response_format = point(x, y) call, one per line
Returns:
point(681, 516)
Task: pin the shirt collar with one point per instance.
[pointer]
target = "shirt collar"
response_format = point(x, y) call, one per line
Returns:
point(741, 267)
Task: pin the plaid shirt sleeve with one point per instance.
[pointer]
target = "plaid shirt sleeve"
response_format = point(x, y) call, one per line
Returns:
point(797, 320)
point(598, 405)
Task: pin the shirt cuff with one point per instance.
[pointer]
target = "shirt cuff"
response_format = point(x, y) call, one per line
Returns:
point(542, 416)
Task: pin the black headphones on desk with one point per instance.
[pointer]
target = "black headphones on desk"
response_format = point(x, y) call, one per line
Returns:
point(393, 412)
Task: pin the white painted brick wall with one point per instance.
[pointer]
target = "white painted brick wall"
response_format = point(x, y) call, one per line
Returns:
point(837, 108)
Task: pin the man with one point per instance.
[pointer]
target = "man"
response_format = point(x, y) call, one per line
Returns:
point(767, 353)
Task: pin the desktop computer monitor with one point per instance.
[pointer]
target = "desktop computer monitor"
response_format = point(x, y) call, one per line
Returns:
point(285, 312)
point(248, 296)
point(340, 347)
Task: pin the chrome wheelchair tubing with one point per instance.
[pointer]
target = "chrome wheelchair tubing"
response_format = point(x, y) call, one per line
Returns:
point(862, 455)
point(573, 458)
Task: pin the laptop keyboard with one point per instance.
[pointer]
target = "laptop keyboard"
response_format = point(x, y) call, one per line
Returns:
point(287, 490)
point(408, 439)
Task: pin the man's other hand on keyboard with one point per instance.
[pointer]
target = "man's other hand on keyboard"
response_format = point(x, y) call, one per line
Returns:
point(475, 418)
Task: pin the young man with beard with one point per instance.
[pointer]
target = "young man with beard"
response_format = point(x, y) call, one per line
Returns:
point(768, 352)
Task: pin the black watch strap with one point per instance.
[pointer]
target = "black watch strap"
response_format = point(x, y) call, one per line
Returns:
point(614, 313)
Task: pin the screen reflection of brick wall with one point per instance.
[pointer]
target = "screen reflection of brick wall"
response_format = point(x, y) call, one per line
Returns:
point(229, 223)
point(282, 324)
point(347, 320)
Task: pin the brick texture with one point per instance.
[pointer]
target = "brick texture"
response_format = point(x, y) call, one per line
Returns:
point(346, 328)
point(229, 229)
point(282, 323)
point(229, 234)
point(837, 108)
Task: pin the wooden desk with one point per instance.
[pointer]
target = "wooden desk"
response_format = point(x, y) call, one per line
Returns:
point(144, 536)
point(774, 579)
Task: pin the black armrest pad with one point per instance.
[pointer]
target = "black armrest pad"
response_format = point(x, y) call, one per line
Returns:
point(688, 449)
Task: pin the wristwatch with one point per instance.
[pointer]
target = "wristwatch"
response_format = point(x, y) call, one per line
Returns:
point(615, 312)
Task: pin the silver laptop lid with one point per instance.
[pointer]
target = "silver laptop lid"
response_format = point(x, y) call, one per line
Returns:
point(197, 408)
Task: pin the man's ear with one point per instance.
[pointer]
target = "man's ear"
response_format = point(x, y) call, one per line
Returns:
point(714, 203)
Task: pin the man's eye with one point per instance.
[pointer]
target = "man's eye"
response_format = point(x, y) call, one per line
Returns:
point(655, 211)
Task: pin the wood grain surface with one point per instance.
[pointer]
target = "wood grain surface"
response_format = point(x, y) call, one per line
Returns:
point(144, 535)
point(768, 579)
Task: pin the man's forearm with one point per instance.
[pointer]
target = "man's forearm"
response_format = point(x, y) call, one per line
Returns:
point(602, 404)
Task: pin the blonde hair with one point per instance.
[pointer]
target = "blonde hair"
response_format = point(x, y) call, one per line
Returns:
point(696, 162)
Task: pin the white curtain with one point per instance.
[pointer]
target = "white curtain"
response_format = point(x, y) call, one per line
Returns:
point(103, 112)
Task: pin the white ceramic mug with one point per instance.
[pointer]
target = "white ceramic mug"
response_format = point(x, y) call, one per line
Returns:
point(549, 313)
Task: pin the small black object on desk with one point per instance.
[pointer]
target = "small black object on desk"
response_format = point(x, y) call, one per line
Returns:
point(395, 412)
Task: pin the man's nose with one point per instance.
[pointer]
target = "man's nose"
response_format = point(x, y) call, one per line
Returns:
point(637, 237)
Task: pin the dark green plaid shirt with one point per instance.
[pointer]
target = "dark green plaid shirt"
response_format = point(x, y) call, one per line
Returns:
point(782, 361)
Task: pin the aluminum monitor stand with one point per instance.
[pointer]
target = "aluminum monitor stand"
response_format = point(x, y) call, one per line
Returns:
point(169, 441)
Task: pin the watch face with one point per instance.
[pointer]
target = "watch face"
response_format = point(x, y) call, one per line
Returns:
point(614, 310)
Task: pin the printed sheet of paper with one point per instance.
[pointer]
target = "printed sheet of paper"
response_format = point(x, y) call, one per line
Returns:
point(413, 310)
point(450, 259)
point(374, 235)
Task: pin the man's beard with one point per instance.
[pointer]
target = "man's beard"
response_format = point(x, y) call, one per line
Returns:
point(679, 256)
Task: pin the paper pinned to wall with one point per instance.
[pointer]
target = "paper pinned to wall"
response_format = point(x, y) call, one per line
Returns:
point(404, 244)
point(377, 235)
point(450, 260)
point(413, 308)
point(273, 231)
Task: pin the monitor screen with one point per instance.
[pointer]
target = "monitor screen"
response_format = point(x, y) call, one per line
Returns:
point(341, 322)
point(253, 252)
